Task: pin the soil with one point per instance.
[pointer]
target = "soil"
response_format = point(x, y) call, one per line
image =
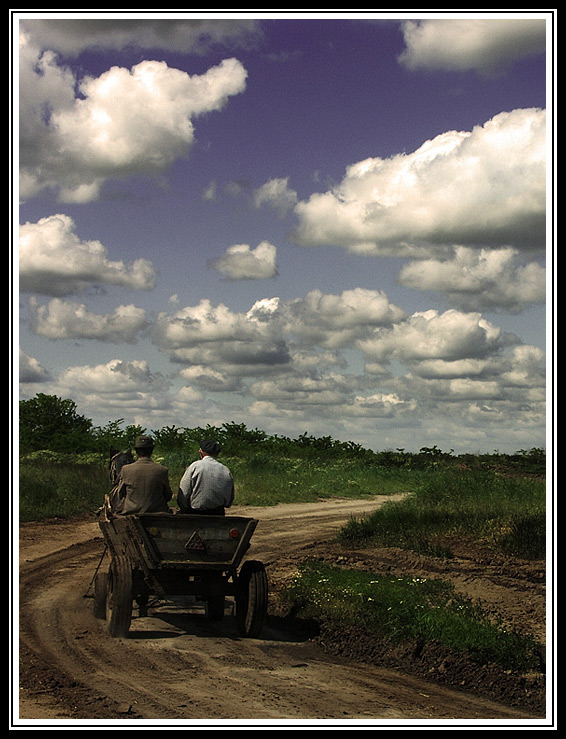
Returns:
point(177, 667)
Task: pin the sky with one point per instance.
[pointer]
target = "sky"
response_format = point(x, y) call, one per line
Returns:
point(336, 225)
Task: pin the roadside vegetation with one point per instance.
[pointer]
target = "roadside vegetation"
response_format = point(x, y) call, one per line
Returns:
point(407, 610)
point(496, 499)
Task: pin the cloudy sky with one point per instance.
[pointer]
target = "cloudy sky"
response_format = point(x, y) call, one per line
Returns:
point(333, 225)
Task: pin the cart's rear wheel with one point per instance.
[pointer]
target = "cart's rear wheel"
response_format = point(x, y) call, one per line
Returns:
point(100, 594)
point(119, 598)
point(251, 598)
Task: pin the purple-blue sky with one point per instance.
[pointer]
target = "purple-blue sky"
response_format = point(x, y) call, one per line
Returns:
point(335, 225)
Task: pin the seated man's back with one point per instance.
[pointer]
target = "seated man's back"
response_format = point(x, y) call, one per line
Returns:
point(144, 485)
point(206, 487)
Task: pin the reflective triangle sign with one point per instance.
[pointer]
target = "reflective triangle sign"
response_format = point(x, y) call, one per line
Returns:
point(195, 543)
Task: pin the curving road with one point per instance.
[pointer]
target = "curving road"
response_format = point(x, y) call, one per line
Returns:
point(176, 666)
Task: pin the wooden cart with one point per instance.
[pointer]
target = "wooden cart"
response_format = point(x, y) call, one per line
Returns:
point(164, 555)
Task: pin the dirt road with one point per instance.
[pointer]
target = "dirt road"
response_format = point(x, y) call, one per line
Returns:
point(177, 667)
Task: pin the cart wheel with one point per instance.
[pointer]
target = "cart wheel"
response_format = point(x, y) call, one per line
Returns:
point(100, 594)
point(119, 600)
point(251, 598)
point(215, 607)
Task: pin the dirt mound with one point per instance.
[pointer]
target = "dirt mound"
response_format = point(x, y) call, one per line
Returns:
point(435, 663)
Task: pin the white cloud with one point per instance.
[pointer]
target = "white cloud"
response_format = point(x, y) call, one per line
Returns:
point(334, 321)
point(379, 405)
point(485, 45)
point(209, 378)
point(479, 188)
point(474, 280)
point(273, 359)
point(455, 370)
point(116, 376)
point(272, 331)
point(74, 35)
point(31, 370)
point(241, 262)
point(146, 113)
point(60, 319)
point(120, 389)
point(298, 392)
point(54, 261)
point(206, 334)
point(525, 369)
point(429, 335)
point(514, 379)
point(277, 194)
point(209, 192)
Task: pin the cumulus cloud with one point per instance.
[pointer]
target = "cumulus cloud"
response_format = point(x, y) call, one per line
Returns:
point(114, 376)
point(301, 391)
point(127, 389)
point(472, 280)
point(455, 369)
point(116, 389)
point(334, 321)
point(146, 113)
point(512, 382)
point(31, 370)
point(379, 406)
point(291, 359)
point(241, 262)
point(216, 336)
point(60, 319)
point(272, 331)
point(209, 378)
point(450, 336)
point(71, 36)
point(485, 45)
point(54, 261)
point(277, 194)
point(479, 188)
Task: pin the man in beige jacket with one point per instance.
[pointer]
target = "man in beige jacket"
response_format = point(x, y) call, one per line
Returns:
point(143, 486)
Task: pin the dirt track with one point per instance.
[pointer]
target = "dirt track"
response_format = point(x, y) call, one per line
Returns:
point(176, 666)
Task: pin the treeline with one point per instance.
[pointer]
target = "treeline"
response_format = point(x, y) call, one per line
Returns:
point(50, 423)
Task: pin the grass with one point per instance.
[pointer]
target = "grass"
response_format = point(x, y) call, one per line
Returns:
point(266, 480)
point(504, 512)
point(404, 610)
point(56, 488)
point(58, 485)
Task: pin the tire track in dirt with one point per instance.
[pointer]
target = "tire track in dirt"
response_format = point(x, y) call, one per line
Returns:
point(176, 666)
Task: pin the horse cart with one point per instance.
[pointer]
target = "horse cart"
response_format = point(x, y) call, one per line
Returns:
point(164, 556)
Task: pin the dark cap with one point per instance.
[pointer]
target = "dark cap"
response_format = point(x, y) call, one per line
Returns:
point(210, 447)
point(143, 442)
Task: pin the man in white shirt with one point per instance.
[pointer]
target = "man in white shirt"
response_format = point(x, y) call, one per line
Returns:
point(207, 487)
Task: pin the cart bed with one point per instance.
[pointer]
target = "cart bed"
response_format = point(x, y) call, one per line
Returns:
point(161, 540)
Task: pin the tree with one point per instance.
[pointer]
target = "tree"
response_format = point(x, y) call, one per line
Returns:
point(49, 422)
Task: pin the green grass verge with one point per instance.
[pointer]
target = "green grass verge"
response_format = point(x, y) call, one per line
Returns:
point(406, 609)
